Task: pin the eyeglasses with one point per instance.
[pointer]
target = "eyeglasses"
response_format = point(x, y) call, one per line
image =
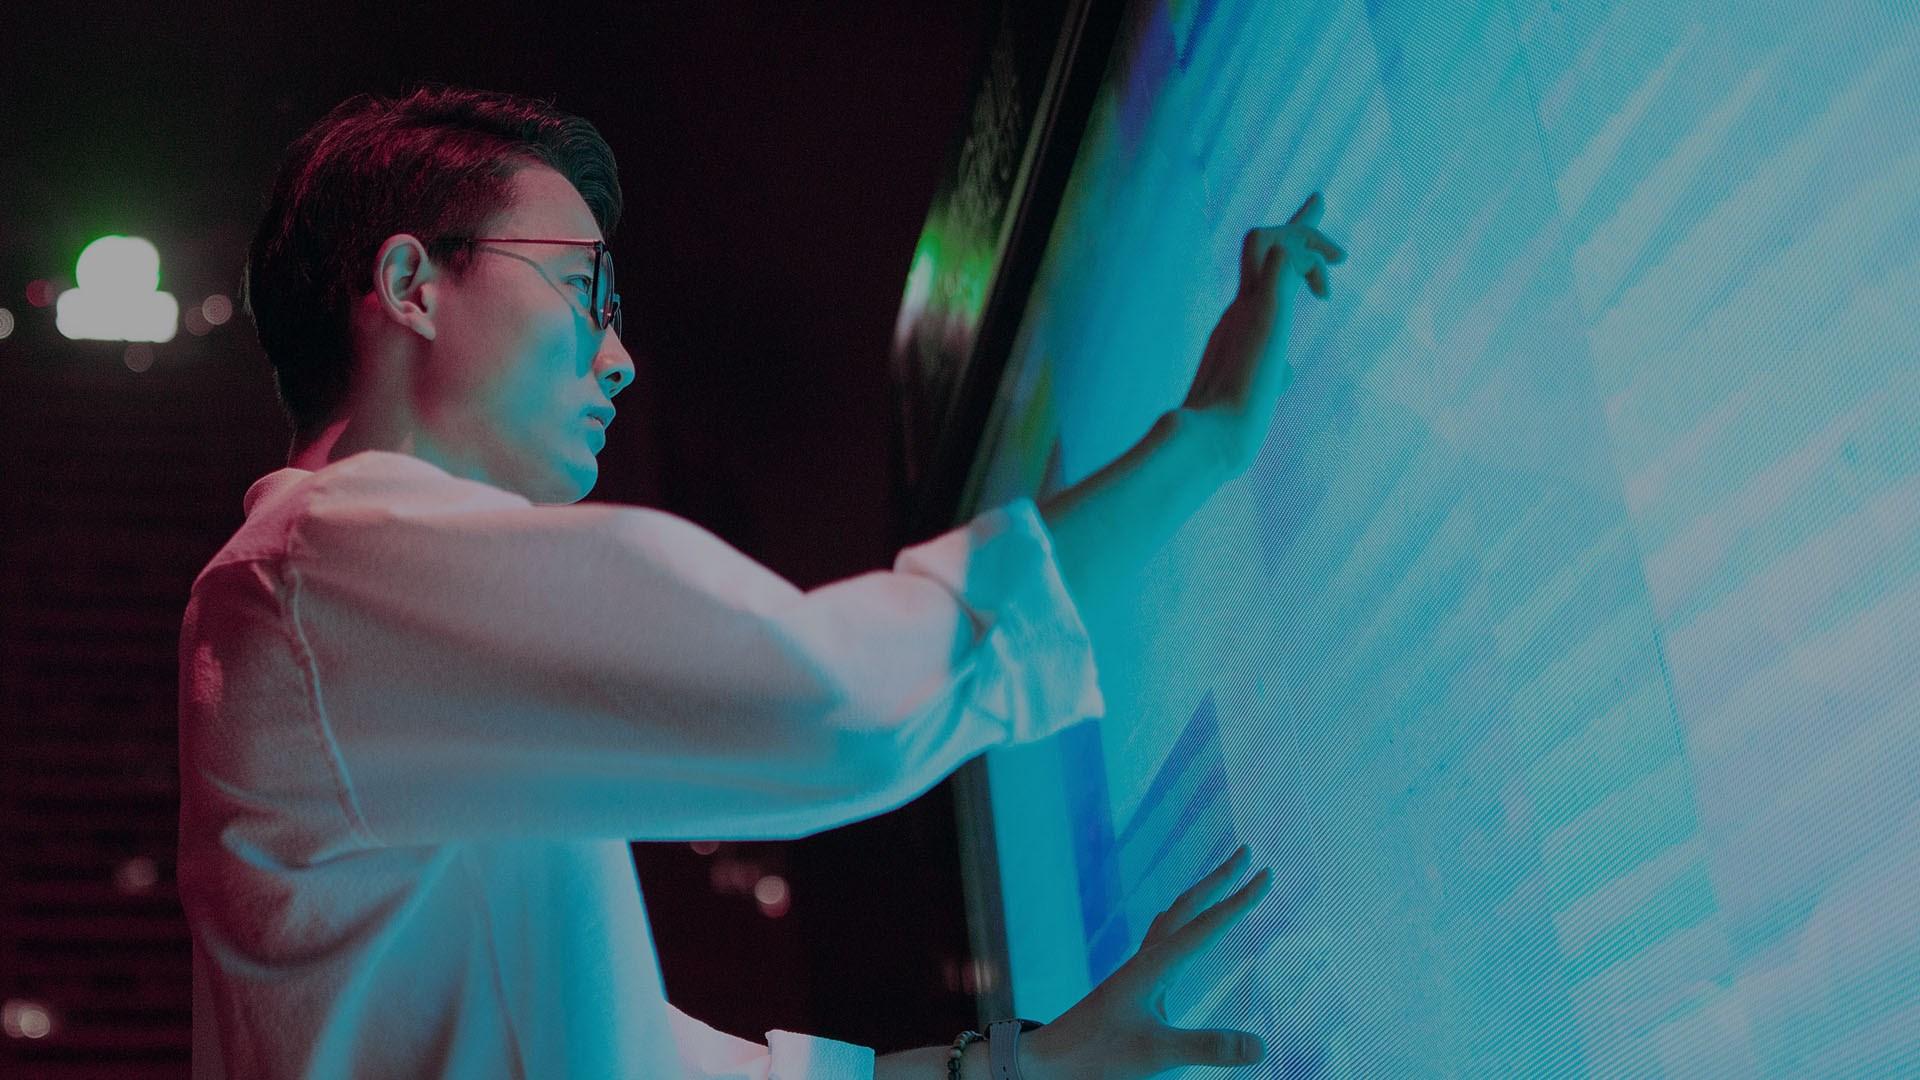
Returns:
point(604, 305)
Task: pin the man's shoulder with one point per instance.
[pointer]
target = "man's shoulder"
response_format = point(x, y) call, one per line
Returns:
point(365, 486)
point(380, 482)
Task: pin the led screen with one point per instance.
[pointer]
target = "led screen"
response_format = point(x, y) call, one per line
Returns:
point(1561, 653)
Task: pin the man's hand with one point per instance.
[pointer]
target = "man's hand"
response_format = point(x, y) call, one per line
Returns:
point(1119, 1031)
point(1244, 369)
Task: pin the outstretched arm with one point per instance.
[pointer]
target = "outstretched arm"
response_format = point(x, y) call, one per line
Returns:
point(1107, 526)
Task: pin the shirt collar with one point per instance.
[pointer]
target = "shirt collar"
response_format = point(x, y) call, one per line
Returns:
point(268, 485)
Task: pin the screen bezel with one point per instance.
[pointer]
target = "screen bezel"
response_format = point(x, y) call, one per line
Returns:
point(939, 490)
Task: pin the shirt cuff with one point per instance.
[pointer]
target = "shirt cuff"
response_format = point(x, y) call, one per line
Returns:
point(811, 1057)
point(1001, 567)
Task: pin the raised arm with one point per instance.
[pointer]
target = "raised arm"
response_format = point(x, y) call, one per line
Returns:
point(472, 666)
point(1107, 526)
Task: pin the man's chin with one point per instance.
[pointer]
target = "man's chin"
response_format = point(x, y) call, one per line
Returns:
point(573, 483)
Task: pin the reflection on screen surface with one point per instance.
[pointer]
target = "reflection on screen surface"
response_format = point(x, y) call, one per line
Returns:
point(1562, 652)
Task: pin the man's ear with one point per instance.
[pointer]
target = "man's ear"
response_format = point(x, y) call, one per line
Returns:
point(402, 274)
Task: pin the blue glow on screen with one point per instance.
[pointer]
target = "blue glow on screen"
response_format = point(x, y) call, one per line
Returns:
point(1562, 651)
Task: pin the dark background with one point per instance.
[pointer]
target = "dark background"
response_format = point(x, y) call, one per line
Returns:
point(778, 162)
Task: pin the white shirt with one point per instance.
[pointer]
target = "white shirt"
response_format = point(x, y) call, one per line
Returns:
point(421, 717)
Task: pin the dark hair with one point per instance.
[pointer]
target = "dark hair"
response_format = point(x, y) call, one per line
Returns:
point(436, 162)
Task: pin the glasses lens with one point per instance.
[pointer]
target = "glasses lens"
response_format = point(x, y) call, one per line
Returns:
point(604, 299)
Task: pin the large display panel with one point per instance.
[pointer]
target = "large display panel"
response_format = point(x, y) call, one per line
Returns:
point(1561, 654)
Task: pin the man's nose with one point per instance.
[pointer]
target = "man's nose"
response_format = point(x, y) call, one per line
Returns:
point(614, 364)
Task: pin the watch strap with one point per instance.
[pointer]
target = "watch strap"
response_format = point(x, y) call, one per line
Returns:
point(1003, 1047)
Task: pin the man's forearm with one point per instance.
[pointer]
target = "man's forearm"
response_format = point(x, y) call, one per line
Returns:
point(930, 1063)
point(1105, 529)
point(1108, 526)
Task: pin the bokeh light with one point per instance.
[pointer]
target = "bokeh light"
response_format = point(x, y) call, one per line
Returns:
point(195, 322)
point(40, 292)
point(705, 847)
point(773, 895)
point(770, 889)
point(118, 297)
point(23, 1019)
point(6, 324)
point(217, 309)
point(118, 265)
point(136, 876)
point(732, 876)
point(139, 356)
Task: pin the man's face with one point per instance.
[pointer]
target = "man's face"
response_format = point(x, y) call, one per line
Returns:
point(516, 367)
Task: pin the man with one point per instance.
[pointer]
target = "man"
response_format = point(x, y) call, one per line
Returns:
point(426, 702)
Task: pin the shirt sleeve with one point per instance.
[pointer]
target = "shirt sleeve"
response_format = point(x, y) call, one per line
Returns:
point(479, 666)
point(711, 1054)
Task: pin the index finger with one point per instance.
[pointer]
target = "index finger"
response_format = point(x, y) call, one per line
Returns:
point(1310, 211)
point(1201, 892)
point(1172, 955)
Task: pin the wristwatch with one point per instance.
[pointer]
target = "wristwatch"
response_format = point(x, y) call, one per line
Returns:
point(1003, 1047)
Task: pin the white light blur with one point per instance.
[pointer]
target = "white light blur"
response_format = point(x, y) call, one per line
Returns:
point(118, 298)
point(23, 1019)
point(770, 889)
point(773, 895)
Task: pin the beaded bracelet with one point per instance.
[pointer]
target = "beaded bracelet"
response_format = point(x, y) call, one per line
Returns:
point(960, 1044)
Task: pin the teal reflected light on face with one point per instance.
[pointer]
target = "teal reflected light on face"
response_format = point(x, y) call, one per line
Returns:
point(522, 384)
